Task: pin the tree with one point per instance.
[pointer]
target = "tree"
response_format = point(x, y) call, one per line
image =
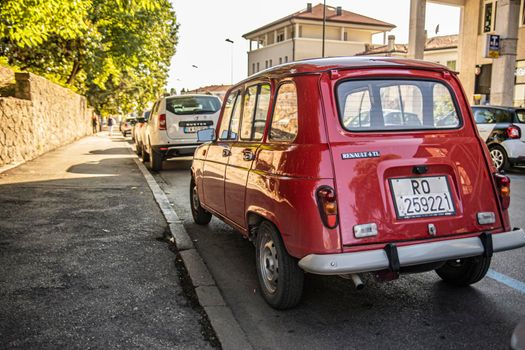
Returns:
point(117, 54)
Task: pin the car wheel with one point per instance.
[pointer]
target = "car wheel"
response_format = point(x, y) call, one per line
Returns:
point(280, 277)
point(464, 272)
point(145, 154)
point(499, 157)
point(200, 215)
point(155, 160)
point(138, 148)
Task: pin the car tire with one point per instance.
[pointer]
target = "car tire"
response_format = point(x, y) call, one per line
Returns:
point(200, 215)
point(145, 154)
point(138, 149)
point(499, 157)
point(280, 277)
point(464, 272)
point(155, 160)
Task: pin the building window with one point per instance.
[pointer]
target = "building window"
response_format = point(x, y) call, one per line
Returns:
point(489, 16)
point(280, 36)
point(345, 36)
point(451, 65)
point(258, 68)
point(270, 63)
point(280, 60)
point(266, 64)
point(300, 31)
point(253, 68)
point(285, 59)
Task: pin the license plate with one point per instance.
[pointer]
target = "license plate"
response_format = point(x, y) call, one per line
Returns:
point(422, 196)
point(194, 129)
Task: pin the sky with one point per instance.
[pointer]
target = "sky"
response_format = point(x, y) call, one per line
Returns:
point(204, 56)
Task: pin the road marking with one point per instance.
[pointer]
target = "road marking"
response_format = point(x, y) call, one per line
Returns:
point(506, 280)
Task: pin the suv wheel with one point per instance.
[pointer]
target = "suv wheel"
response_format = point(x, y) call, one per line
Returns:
point(155, 160)
point(499, 157)
point(145, 154)
point(464, 272)
point(200, 215)
point(280, 277)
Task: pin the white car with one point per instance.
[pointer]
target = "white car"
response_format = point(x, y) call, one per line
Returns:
point(172, 128)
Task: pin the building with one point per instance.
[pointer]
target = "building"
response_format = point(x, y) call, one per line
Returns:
point(300, 36)
point(439, 49)
point(497, 80)
point(216, 90)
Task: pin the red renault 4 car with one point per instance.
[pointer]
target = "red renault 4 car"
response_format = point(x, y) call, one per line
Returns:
point(344, 166)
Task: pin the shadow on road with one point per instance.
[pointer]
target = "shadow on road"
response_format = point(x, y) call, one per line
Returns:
point(115, 150)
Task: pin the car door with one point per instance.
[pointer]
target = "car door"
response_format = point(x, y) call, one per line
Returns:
point(218, 154)
point(256, 101)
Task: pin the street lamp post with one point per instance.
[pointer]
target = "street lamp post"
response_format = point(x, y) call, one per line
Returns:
point(231, 62)
point(324, 25)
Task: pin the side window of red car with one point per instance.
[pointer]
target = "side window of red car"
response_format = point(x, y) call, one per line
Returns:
point(236, 119)
point(284, 120)
point(226, 116)
point(250, 97)
point(256, 104)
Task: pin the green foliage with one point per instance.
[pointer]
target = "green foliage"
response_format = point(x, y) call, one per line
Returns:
point(116, 52)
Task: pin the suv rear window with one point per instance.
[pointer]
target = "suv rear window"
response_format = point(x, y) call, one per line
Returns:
point(384, 105)
point(193, 105)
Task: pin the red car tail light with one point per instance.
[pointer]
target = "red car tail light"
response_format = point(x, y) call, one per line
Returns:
point(503, 183)
point(162, 122)
point(327, 203)
point(513, 132)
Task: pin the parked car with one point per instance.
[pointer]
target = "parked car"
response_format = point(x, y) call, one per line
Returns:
point(126, 124)
point(140, 123)
point(501, 128)
point(172, 128)
point(311, 163)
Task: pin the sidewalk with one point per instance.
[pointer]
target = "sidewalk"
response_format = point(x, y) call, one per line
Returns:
point(83, 262)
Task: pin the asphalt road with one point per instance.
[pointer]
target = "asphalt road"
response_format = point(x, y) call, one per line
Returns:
point(83, 260)
point(415, 312)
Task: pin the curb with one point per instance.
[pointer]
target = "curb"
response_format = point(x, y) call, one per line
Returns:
point(228, 330)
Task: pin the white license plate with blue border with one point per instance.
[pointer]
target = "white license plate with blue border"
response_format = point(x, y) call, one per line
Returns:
point(417, 197)
point(194, 129)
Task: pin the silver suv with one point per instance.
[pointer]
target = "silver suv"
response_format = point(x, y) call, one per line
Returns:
point(172, 128)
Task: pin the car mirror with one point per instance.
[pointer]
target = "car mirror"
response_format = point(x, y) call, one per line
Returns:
point(206, 135)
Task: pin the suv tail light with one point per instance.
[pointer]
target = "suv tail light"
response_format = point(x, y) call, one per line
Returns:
point(503, 183)
point(162, 121)
point(327, 203)
point(513, 132)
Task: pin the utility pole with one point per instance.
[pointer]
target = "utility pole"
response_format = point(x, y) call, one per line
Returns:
point(324, 24)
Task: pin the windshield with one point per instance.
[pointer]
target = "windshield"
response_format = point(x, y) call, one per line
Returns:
point(193, 104)
point(372, 105)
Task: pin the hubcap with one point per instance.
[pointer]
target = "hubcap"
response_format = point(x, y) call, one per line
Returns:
point(195, 199)
point(268, 263)
point(497, 157)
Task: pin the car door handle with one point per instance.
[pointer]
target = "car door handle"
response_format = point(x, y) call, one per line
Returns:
point(226, 152)
point(248, 155)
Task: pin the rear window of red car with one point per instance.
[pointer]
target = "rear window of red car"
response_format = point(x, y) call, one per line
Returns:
point(384, 105)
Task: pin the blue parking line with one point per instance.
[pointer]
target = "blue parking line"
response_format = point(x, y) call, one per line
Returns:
point(506, 280)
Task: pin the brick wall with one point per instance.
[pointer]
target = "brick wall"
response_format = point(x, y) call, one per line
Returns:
point(39, 118)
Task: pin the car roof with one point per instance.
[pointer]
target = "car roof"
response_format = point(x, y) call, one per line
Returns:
point(508, 108)
point(190, 95)
point(317, 65)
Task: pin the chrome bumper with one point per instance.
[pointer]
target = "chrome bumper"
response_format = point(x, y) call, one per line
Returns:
point(416, 254)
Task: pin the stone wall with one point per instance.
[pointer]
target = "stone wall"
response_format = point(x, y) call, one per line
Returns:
point(39, 118)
